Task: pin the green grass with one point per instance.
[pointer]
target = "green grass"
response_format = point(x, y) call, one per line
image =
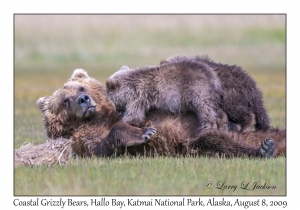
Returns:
point(49, 48)
point(152, 176)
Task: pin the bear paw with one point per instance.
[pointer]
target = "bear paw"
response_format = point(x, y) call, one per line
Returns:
point(267, 148)
point(148, 132)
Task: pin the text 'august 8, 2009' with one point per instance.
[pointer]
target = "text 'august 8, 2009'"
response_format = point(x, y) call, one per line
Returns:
point(145, 202)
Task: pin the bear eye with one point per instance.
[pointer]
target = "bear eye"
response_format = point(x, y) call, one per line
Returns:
point(81, 89)
point(66, 101)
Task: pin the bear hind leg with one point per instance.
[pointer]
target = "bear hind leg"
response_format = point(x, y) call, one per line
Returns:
point(229, 145)
point(267, 148)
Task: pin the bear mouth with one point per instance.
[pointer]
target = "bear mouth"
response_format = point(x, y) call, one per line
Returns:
point(89, 111)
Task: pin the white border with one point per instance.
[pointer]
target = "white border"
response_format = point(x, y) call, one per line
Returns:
point(8, 8)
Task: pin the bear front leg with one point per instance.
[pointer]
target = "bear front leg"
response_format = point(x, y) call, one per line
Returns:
point(134, 115)
point(121, 136)
point(207, 115)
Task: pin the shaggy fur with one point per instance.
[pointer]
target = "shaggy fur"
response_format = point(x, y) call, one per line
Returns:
point(72, 113)
point(177, 87)
point(242, 100)
point(103, 134)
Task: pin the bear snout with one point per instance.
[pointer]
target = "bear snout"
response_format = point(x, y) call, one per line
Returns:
point(87, 106)
point(84, 100)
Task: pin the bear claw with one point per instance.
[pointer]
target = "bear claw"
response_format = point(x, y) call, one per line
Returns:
point(148, 132)
point(267, 148)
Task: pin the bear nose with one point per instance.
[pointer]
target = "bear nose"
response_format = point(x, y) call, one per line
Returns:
point(84, 100)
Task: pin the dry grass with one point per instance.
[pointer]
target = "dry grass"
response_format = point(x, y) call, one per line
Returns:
point(56, 151)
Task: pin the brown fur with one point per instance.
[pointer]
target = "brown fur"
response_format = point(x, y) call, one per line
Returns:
point(103, 134)
point(175, 87)
point(242, 101)
point(63, 117)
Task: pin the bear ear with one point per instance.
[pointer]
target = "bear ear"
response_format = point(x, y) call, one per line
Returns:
point(124, 68)
point(78, 74)
point(41, 102)
point(111, 85)
point(163, 62)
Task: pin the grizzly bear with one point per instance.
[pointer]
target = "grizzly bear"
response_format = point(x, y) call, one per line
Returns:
point(242, 100)
point(182, 84)
point(177, 88)
point(71, 113)
point(82, 112)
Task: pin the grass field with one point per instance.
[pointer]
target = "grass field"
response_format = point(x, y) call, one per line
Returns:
point(49, 48)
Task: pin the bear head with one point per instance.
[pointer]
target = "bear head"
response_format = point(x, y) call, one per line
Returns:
point(80, 100)
point(117, 88)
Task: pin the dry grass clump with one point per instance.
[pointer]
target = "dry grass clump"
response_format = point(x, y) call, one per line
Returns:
point(51, 152)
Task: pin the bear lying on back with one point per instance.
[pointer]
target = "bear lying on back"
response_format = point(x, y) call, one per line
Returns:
point(82, 112)
point(182, 84)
